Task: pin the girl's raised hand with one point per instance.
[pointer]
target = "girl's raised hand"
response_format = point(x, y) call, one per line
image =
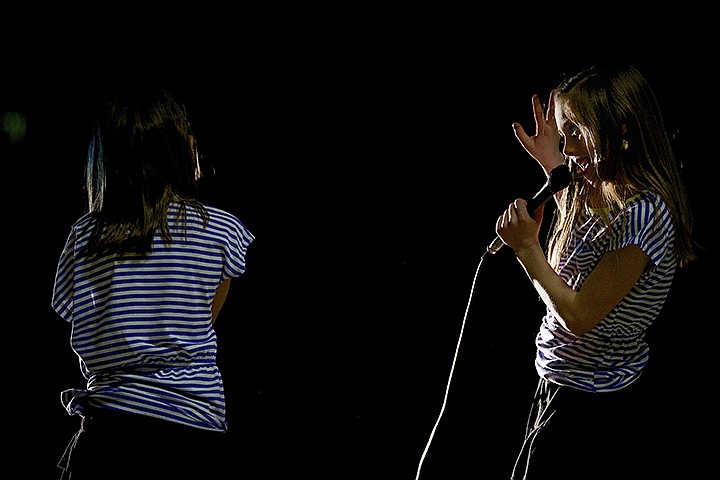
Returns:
point(544, 145)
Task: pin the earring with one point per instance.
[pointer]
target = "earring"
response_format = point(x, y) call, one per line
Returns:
point(624, 144)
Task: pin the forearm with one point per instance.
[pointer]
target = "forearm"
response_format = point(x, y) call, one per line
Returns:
point(554, 292)
point(219, 299)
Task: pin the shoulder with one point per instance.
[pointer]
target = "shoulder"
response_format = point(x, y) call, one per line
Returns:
point(83, 225)
point(224, 220)
point(647, 200)
point(648, 224)
point(648, 208)
point(219, 213)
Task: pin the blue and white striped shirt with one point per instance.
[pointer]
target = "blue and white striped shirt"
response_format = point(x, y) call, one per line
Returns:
point(611, 355)
point(141, 326)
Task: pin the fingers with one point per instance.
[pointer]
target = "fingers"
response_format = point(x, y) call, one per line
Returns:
point(538, 113)
point(544, 118)
point(500, 222)
point(551, 107)
point(539, 116)
point(516, 206)
point(520, 133)
point(504, 219)
point(510, 213)
point(543, 144)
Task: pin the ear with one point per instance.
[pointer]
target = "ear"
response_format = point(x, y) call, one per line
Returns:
point(624, 128)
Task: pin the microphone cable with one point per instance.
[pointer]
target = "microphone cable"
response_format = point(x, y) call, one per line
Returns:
point(558, 179)
point(452, 368)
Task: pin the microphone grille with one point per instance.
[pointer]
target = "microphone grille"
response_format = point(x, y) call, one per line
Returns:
point(559, 178)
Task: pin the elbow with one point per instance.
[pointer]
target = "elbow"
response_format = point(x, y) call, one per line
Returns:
point(577, 323)
point(578, 329)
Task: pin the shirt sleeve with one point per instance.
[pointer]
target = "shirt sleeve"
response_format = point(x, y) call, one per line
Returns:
point(62, 297)
point(646, 223)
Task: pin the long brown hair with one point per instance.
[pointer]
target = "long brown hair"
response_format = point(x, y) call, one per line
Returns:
point(142, 156)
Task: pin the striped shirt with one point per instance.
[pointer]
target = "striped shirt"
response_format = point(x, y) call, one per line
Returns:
point(612, 354)
point(141, 326)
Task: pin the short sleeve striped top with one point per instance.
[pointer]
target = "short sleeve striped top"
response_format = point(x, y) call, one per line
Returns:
point(612, 354)
point(141, 326)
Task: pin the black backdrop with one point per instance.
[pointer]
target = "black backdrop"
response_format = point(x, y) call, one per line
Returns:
point(371, 162)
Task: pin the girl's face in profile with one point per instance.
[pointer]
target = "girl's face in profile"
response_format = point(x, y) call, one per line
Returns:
point(575, 145)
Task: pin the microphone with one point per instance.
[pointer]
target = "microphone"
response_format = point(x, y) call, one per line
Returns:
point(558, 179)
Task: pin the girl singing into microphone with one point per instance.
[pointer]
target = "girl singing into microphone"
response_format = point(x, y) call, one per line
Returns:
point(621, 230)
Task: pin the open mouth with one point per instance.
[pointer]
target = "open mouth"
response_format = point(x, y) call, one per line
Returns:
point(583, 163)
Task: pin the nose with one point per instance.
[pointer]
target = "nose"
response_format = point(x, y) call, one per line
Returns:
point(573, 147)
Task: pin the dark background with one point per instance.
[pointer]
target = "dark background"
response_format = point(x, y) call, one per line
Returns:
point(370, 159)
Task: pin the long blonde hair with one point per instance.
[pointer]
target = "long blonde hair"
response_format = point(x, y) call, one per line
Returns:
point(618, 115)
